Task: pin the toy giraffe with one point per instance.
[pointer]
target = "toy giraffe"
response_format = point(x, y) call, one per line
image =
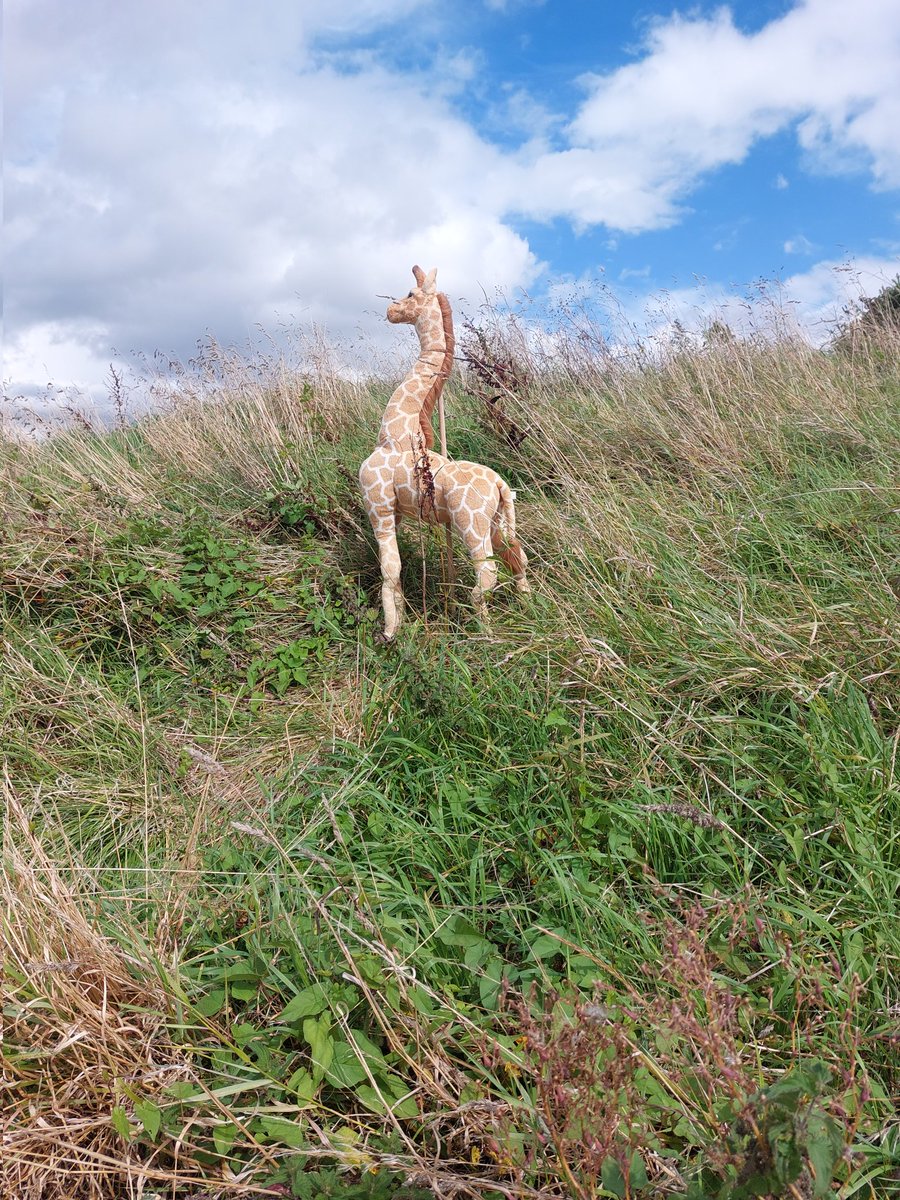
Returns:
point(405, 477)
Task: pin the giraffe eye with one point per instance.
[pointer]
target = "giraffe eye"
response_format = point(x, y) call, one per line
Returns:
point(409, 296)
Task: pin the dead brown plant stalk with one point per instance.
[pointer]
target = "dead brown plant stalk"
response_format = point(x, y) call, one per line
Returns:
point(83, 1037)
point(688, 1031)
point(495, 377)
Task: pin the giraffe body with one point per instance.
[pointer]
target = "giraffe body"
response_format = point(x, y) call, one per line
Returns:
point(404, 477)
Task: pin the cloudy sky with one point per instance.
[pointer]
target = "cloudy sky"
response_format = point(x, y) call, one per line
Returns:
point(174, 169)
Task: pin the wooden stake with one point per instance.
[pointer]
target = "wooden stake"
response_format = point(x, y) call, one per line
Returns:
point(451, 568)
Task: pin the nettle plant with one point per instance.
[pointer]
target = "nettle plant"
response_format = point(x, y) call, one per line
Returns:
point(329, 613)
point(296, 510)
point(208, 599)
point(217, 579)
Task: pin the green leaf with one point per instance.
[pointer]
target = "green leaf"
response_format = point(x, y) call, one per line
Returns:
point(404, 1102)
point(612, 1178)
point(211, 1003)
point(120, 1122)
point(150, 1117)
point(818, 1074)
point(345, 1071)
point(754, 1185)
point(289, 1133)
point(787, 1090)
point(370, 1098)
point(620, 843)
point(181, 1089)
point(245, 990)
point(304, 1087)
point(404, 1107)
point(367, 1048)
point(459, 932)
point(696, 1191)
point(546, 947)
point(476, 953)
point(262, 1082)
point(243, 1032)
point(824, 1147)
point(316, 1031)
point(420, 1000)
point(788, 1163)
point(556, 717)
point(223, 1138)
point(637, 1172)
point(308, 1003)
point(795, 839)
point(489, 982)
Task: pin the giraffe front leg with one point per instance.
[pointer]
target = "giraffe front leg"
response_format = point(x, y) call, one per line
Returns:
point(391, 591)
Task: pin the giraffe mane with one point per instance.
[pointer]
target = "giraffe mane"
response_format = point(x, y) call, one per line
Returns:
point(431, 398)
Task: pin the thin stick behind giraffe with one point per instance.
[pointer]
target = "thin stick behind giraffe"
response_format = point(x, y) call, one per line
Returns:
point(435, 391)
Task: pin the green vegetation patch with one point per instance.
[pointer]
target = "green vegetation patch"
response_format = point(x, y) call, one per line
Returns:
point(599, 901)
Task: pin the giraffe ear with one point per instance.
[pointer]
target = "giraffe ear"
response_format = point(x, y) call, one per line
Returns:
point(420, 275)
point(429, 283)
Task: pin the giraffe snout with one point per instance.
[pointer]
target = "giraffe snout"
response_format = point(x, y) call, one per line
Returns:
point(403, 312)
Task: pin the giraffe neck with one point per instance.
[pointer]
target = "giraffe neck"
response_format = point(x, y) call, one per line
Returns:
point(404, 423)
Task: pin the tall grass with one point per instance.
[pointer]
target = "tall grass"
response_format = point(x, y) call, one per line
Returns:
point(599, 901)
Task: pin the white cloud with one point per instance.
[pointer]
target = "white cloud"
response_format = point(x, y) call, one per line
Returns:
point(74, 348)
point(197, 201)
point(823, 295)
point(812, 303)
point(173, 168)
point(799, 244)
point(704, 92)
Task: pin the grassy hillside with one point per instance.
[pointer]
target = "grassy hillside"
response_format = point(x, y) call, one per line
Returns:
point(600, 901)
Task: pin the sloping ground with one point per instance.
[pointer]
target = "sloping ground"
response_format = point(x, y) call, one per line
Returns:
point(601, 901)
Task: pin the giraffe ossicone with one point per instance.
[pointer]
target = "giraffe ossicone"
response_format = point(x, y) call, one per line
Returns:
point(404, 476)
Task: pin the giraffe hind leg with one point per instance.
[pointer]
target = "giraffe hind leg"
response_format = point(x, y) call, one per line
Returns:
point(478, 542)
point(513, 557)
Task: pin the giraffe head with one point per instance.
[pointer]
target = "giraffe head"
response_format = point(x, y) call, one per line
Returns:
point(408, 310)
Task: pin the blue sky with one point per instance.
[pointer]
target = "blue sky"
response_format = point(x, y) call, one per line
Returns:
point(173, 170)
